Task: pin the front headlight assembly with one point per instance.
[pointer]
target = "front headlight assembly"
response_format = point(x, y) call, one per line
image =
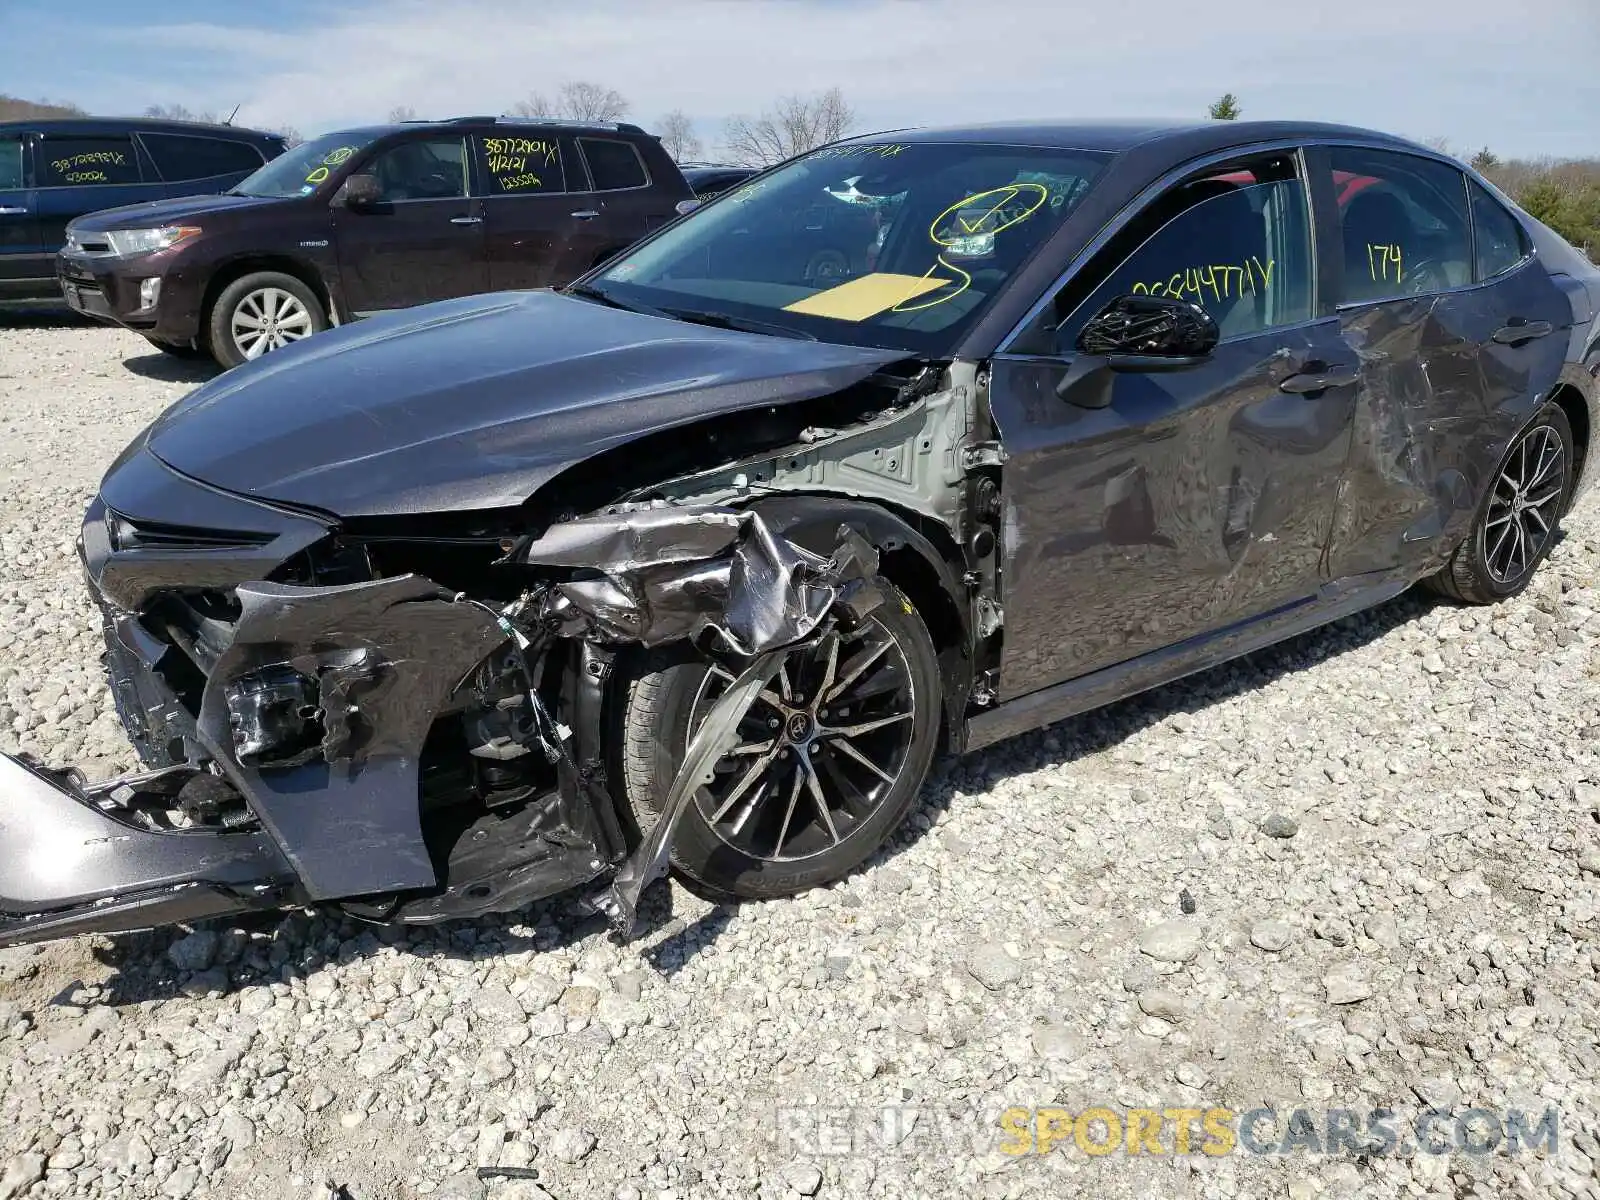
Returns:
point(125, 243)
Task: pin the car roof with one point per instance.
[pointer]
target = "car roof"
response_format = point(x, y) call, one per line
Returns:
point(386, 128)
point(1115, 136)
point(105, 125)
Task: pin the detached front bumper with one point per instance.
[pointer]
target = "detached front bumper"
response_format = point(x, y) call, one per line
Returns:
point(69, 866)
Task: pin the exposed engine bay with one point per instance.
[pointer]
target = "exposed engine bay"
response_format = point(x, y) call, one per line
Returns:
point(409, 716)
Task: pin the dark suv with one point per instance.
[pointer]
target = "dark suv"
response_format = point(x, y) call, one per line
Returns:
point(371, 219)
point(53, 171)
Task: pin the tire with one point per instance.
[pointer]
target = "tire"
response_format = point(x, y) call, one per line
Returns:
point(176, 349)
point(1537, 466)
point(667, 695)
point(264, 297)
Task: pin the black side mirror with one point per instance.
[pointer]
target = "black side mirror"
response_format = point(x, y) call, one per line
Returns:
point(361, 191)
point(1149, 333)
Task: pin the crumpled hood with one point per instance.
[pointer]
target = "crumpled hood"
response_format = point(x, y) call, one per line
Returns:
point(153, 213)
point(474, 403)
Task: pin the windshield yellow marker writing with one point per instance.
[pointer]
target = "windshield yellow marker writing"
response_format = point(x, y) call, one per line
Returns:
point(993, 219)
point(866, 296)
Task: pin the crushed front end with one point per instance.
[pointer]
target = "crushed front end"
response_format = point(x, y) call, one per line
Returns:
point(322, 721)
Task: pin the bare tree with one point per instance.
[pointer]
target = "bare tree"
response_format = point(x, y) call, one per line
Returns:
point(179, 112)
point(678, 136)
point(289, 134)
point(577, 101)
point(1224, 108)
point(792, 126)
point(402, 112)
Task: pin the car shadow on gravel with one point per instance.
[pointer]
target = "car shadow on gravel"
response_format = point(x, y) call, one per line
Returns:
point(170, 368)
point(271, 948)
point(43, 315)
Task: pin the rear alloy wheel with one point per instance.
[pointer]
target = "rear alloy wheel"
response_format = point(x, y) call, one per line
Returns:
point(1516, 524)
point(259, 313)
point(830, 758)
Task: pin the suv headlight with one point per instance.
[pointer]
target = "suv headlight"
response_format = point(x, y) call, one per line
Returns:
point(125, 243)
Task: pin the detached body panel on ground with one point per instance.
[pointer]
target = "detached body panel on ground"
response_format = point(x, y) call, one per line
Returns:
point(930, 437)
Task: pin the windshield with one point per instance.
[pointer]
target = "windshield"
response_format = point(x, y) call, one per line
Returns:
point(878, 244)
point(301, 171)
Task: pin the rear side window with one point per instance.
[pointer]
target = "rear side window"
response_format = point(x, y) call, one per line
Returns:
point(12, 176)
point(613, 165)
point(520, 166)
point(1402, 223)
point(179, 156)
point(1237, 243)
point(87, 161)
point(1499, 242)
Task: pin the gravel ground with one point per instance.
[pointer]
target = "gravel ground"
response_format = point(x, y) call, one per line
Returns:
point(1356, 871)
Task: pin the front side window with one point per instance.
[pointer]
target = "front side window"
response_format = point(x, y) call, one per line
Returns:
point(308, 168)
point(1402, 224)
point(12, 176)
point(613, 166)
point(868, 243)
point(1236, 242)
point(87, 161)
point(518, 166)
point(1499, 242)
point(181, 156)
point(430, 170)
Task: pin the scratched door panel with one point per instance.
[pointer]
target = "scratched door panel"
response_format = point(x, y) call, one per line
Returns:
point(1439, 399)
point(1196, 498)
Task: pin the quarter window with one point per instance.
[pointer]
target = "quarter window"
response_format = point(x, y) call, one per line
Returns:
point(1236, 242)
point(430, 170)
point(613, 165)
point(1402, 223)
point(12, 177)
point(1499, 242)
point(179, 156)
point(86, 162)
point(517, 165)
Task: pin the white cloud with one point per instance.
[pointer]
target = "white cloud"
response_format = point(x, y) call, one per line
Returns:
point(1413, 66)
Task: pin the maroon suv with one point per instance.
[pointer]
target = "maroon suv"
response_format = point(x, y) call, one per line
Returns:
point(370, 219)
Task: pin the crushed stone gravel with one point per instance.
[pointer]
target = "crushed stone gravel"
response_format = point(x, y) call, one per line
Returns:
point(1423, 930)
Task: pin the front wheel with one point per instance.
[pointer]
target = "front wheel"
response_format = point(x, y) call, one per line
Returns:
point(262, 312)
point(1515, 526)
point(830, 758)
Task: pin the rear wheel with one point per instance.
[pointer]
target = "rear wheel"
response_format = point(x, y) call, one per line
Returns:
point(1515, 526)
point(262, 312)
point(829, 761)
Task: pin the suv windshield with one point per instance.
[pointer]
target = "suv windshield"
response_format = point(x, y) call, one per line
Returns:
point(870, 243)
point(301, 171)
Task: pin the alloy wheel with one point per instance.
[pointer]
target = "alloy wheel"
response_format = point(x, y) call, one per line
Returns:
point(269, 319)
point(1524, 507)
point(820, 750)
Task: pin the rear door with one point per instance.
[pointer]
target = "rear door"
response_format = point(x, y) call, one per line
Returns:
point(1457, 342)
point(25, 268)
point(83, 174)
point(535, 194)
point(423, 240)
point(1147, 507)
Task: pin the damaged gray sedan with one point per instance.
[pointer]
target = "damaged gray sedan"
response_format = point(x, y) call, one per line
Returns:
point(914, 442)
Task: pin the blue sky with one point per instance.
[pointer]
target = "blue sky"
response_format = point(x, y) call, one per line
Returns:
point(1523, 79)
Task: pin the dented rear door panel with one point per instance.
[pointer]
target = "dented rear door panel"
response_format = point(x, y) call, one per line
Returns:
point(1439, 400)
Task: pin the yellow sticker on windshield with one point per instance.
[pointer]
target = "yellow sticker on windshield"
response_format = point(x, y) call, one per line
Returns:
point(865, 297)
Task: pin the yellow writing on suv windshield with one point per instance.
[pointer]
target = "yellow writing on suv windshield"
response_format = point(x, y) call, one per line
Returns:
point(865, 297)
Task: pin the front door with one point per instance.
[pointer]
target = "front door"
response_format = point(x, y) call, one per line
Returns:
point(423, 239)
point(25, 269)
point(1459, 332)
point(1146, 507)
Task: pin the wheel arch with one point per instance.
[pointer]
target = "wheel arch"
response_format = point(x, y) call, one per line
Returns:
point(1573, 403)
point(237, 268)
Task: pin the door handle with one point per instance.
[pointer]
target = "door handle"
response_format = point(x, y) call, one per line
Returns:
point(1517, 330)
point(586, 214)
point(13, 212)
point(466, 220)
point(1308, 383)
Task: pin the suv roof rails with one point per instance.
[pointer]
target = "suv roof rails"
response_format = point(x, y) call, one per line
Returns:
point(619, 126)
